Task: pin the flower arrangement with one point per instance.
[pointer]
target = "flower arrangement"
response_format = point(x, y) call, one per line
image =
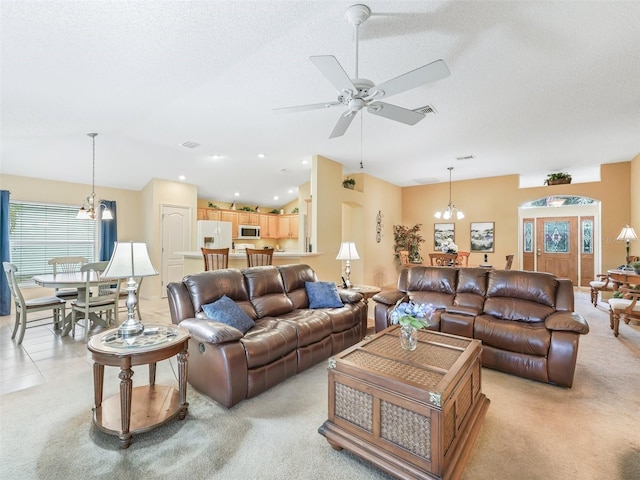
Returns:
point(416, 315)
point(448, 246)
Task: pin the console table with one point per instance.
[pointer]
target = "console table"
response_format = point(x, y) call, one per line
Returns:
point(622, 277)
point(145, 407)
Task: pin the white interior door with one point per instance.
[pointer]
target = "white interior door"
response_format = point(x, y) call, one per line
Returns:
point(176, 237)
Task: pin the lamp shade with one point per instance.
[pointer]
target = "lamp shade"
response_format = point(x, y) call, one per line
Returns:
point(129, 259)
point(348, 251)
point(627, 233)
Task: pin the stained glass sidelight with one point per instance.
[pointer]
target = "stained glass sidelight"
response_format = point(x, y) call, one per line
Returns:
point(587, 236)
point(528, 237)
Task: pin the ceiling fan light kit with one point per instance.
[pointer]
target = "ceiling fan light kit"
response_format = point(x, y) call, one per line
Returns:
point(358, 93)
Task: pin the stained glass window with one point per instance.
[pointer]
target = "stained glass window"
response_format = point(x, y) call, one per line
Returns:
point(587, 236)
point(556, 237)
point(528, 237)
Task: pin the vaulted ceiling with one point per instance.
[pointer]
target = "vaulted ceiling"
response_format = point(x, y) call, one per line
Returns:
point(535, 87)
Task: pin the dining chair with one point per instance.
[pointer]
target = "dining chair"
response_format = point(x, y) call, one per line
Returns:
point(603, 284)
point(443, 259)
point(215, 258)
point(103, 299)
point(627, 308)
point(509, 259)
point(463, 259)
point(258, 257)
point(67, 265)
point(25, 307)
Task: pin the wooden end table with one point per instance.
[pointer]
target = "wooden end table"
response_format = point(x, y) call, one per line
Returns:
point(142, 408)
point(413, 414)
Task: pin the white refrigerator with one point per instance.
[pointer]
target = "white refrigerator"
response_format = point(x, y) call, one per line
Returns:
point(213, 234)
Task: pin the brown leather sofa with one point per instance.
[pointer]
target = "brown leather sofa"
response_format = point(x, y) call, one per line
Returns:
point(288, 336)
point(525, 320)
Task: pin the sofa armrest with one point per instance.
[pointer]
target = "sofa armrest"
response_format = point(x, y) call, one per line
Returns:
point(461, 310)
point(567, 321)
point(350, 296)
point(389, 297)
point(210, 331)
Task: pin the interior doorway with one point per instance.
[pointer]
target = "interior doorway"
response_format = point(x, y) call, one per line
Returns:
point(176, 237)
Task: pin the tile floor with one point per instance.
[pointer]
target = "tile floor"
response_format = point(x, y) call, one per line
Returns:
point(44, 355)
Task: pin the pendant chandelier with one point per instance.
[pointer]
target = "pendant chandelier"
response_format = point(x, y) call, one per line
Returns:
point(90, 209)
point(451, 209)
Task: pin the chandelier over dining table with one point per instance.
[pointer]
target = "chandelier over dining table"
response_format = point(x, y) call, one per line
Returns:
point(451, 211)
point(91, 208)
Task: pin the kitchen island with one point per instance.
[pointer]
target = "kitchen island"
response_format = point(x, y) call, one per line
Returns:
point(194, 263)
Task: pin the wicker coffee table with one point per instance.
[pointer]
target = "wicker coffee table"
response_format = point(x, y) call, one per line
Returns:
point(413, 414)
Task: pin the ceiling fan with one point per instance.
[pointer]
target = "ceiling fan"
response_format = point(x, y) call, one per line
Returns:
point(358, 93)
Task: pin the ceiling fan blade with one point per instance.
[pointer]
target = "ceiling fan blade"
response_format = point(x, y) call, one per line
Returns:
point(420, 76)
point(343, 123)
point(331, 68)
point(302, 108)
point(393, 112)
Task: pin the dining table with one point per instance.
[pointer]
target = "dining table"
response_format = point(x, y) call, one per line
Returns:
point(72, 280)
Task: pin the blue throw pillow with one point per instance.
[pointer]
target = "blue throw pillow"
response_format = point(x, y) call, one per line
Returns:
point(323, 295)
point(226, 311)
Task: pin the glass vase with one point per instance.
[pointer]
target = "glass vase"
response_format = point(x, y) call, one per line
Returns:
point(408, 337)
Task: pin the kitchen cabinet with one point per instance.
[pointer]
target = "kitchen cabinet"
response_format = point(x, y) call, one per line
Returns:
point(268, 226)
point(288, 226)
point(230, 216)
point(208, 214)
point(248, 218)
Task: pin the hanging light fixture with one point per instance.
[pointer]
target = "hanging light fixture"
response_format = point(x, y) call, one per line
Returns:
point(451, 208)
point(90, 208)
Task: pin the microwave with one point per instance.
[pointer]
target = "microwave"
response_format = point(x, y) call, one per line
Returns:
point(248, 232)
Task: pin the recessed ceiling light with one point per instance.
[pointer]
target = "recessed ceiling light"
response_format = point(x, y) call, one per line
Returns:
point(261, 155)
point(290, 190)
point(304, 162)
point(216, 156)
point(182, 177)
point(237, 194)
point(276, 197)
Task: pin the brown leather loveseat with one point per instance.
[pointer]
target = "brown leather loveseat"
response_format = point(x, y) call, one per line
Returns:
point(288, 337)
point(525, 320)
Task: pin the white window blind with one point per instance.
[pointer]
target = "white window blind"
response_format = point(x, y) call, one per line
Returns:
point(39, 232)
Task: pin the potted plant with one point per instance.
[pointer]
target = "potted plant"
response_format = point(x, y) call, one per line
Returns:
point(557, 178)
point(635, 266)
point(408, 238)
point(349, 183)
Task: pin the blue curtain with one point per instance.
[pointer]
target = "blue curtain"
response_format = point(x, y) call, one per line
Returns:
point(108, 232)
point(5, 255)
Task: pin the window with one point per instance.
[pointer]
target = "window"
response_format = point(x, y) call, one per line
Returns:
point(39, 232)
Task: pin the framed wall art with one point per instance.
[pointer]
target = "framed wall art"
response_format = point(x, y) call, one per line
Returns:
point(482, 236)
point(442, 232)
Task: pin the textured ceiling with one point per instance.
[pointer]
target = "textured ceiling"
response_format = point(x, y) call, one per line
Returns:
point(534, 87)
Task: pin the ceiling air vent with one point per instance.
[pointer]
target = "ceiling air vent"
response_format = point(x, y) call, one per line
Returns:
point(426, 109)
point(466, 157)
point(190, 144)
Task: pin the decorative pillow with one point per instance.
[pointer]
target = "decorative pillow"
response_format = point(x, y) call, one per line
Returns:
point(226, 311)
point(323, 295)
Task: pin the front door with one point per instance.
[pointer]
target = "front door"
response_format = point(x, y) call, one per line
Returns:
point(557, 246)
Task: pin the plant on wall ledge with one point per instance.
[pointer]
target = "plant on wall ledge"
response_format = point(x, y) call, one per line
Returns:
point(408, 238)
point(558, 178)
point(349, 183)
point(295, 210)
point(246, 209)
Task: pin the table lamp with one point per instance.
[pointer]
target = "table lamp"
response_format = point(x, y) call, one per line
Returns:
point(348, 252)
point(129, 260)
point(627, 234)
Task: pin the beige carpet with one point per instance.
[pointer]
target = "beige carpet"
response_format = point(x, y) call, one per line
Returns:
point(531, 431)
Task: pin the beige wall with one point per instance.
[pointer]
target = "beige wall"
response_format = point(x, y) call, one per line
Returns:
point(65, 193)
point(496, 199)
point(635, 202)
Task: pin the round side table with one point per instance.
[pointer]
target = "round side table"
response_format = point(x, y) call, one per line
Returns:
point(142, 408)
